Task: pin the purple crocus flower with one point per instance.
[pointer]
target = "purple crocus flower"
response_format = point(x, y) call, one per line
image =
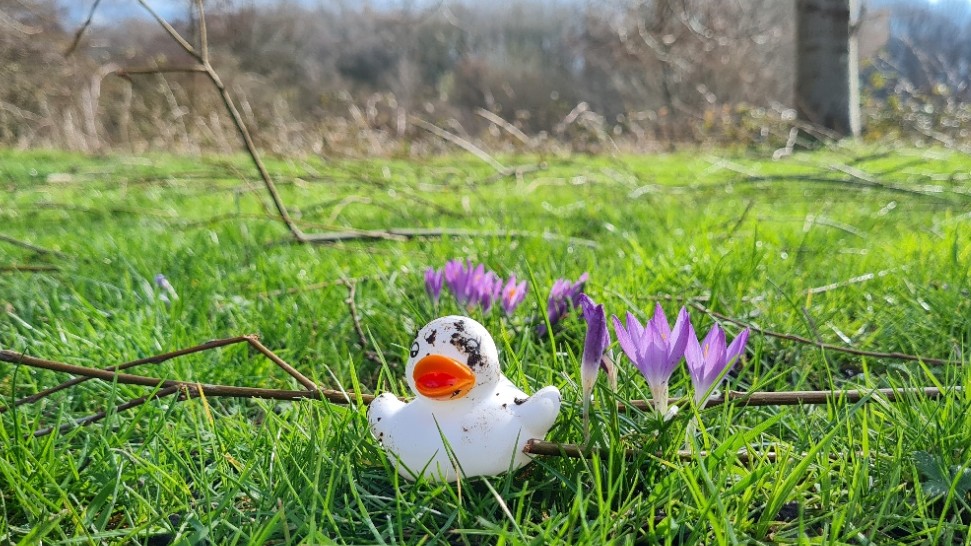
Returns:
point(460, 279)
point(474, 285)
point(168, 293)
point(563, 295)
point(434, 278)
point(594, 345)
point(655, 349)
point(512, 295)
point(487, 289)
point(709, 361)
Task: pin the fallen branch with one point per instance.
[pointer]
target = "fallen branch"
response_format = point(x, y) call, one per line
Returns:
point(28, 246)
point(156, 359)
point(91, 419)
point(112, 374)
point(820, 344)
point(464, 144)
point(417, 233)
point(270, 294)
point(573, 451)
point(191, 389)
point(16, 268)
point(210, 389)
point(799, 398)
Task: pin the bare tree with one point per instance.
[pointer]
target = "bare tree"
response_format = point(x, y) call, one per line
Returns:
point(827, 71)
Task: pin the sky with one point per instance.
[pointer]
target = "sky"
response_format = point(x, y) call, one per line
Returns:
point(113, 10)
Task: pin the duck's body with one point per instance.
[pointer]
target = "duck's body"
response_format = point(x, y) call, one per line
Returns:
point(480, 429)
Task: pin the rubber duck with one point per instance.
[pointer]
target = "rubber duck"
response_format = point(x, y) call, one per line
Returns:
point(467, 419)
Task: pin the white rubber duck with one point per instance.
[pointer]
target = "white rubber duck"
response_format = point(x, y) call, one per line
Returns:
point(464, 400)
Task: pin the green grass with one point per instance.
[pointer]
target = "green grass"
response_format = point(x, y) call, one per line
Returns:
point(667, 228)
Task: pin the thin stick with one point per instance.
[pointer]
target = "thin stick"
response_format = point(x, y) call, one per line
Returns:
point(573, 451)
point(215, 390)
point(297, 289)
point(820, 344)
point(796, 398)
point(203, 58)
point(509, 127)
point(171, 31)
point(739, 398)
point(203, 34)
point(164, 69)
point(417, 233)
point(356, 320)
point(156, 359)
point(28, 246)
point(28, 268)
point(77, 36)
point(91, 419)
point(302, 379)
point(462, 143)
point(852, 280)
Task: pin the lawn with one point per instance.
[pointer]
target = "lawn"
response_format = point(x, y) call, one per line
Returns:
point(864, 247)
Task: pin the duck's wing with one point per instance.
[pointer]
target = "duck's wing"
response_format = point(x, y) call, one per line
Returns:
point(381, 412)
point(538, 412)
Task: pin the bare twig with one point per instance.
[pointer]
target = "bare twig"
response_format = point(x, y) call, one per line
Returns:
point(155, 359)
point(462, 143)
point(417, 233)
point(573, 451)
point(163, 69)
point(91, 419)
point(356, 320)
point(171, 31)
point(799, 398)
point(499, 122)
point(77, 36)
point(252, 340)
point(852, 182)
point(190, 389)
point(203, 33)
point(28, 246)
point(202, 56)
point(822, 345)
point(852, 280)
point(298, 289)
point(18, 268)
point(210, 389)
point(217, 390)
point(302, 379)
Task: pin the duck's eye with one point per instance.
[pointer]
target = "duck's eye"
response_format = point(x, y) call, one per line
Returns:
point(414, 349)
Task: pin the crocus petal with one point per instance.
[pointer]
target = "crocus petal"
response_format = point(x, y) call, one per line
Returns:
point(679, 337)
point(433, 283)
point(597, 337)
point(635, 327)
point(715, 354)
point(520, 292)
point(628, 346)
point(659, 322)
point(737, 347)
point(512, 295)
point(695, 359)
point(652, 358)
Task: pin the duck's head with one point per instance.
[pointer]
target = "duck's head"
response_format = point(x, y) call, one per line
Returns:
point(451, 358)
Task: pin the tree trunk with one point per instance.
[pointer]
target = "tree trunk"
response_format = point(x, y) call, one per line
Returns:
point(827, 70)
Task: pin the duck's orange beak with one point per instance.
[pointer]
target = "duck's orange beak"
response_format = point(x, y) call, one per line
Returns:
point(441, 378)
